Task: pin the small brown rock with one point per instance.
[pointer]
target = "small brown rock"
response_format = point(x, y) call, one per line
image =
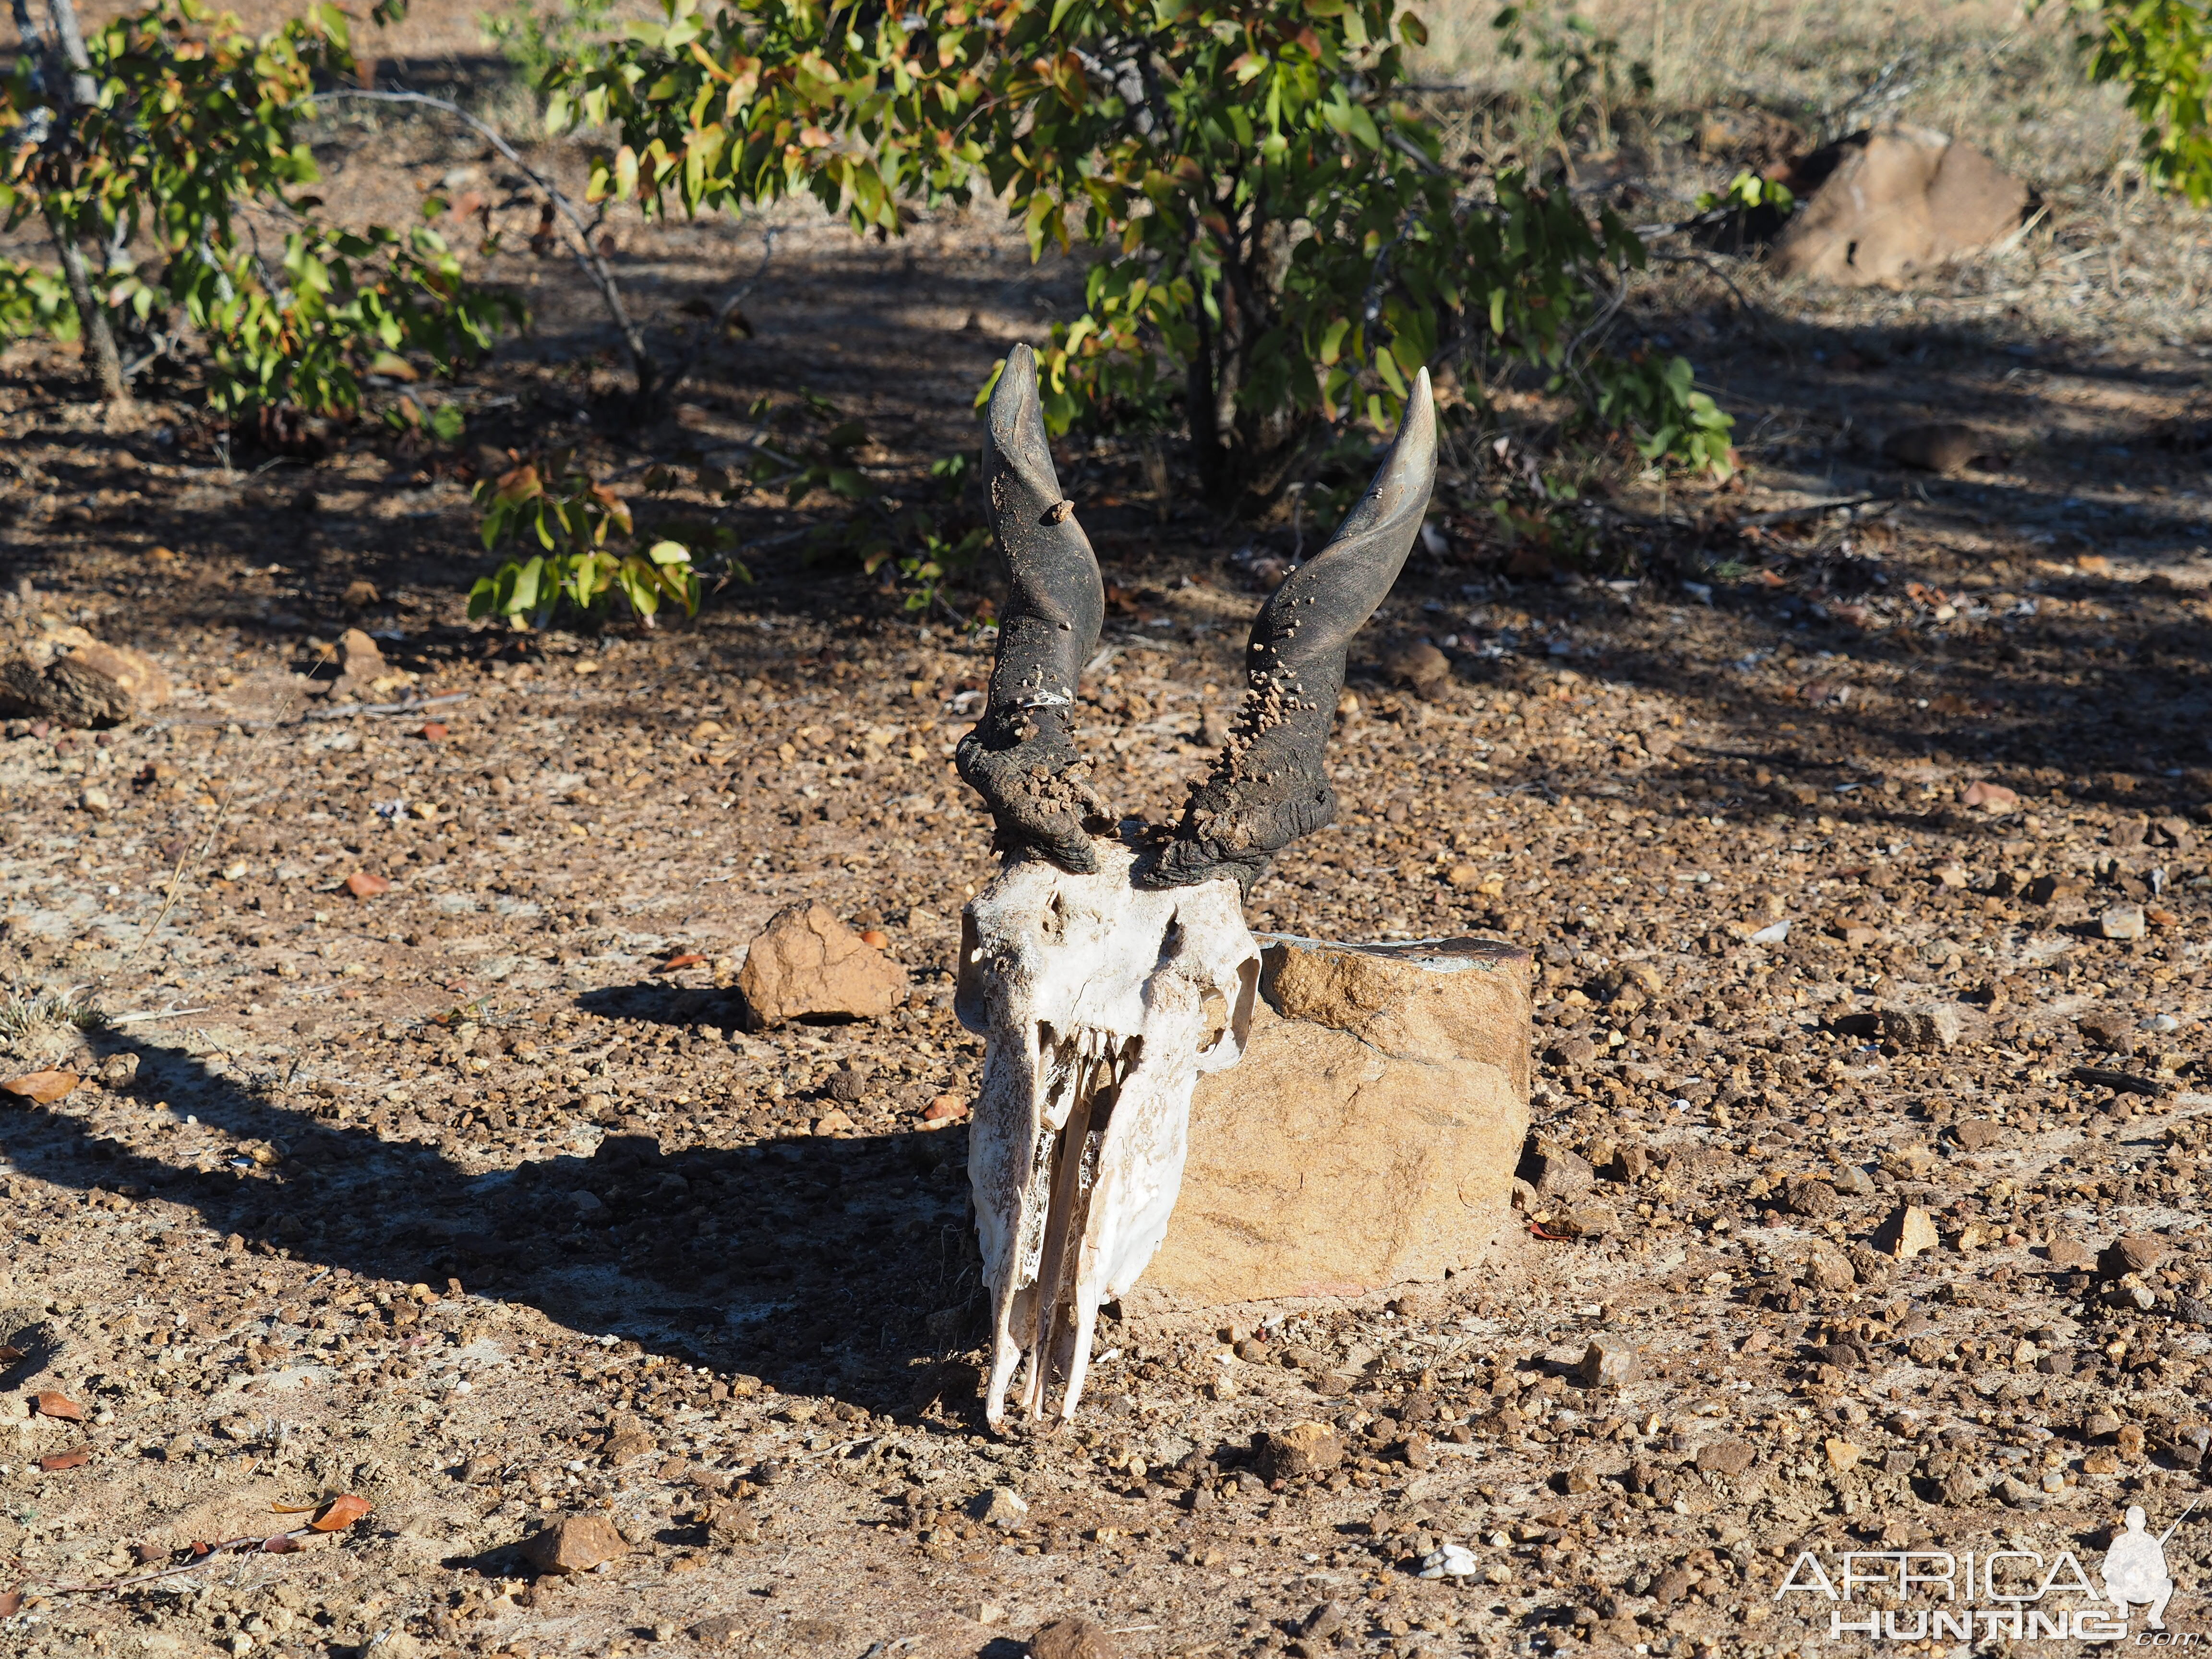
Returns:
point(805, 961)
point(2133, 1253)
point(1926, 1030)
point(1827, 1268)
point(361, 665)
point(2109, 1028)
point(1074, 1638)
point(1730, 1457)
point(1417, 664)
point(1909, 1231)
point(2068, 1254)
point(575, 1543)
point(1812, 1197)
point(2123, 921)
point(1556, 1173)
point(1609, 1362)
point(2128, 1440)
point(1302, 1449)
point(1977, 1133)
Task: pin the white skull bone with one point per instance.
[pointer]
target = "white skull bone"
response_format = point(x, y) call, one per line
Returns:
point(1100, 1003)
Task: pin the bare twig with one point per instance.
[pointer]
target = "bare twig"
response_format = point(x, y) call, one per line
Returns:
point(644, 369)
point(408, 708)
point(1783, 514)
point(1758, 317)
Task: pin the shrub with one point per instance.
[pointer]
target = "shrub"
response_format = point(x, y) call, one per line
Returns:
point(1278, 239)
point(189, 143)
point(580, 527)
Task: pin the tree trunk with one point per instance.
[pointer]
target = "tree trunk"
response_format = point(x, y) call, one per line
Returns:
point(74, 91)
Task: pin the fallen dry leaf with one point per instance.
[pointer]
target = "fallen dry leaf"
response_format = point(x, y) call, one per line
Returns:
point(58, 1405)
point(435, 732)
point(11, 1603)
point(340, 1513)
point(689, 960)
point(362, 886)
point(43, 1087)
point(67, 1460)
point(9, 1355)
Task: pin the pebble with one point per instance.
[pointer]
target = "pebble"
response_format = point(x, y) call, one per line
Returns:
point(2068, 1254)
point(575, 1543)
point(2123, 921)
point(1977, 1133)
point(2134, 1253)
point(1073, 1639)
point(1908, 1232)
point(1728, 1456)
point(1001, 1507)
point(1452, 1561)
point(1302, 1449)
point(1610, 1362)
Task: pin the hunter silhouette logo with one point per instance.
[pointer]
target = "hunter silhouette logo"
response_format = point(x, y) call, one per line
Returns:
point(2016, 1593)
point(2135, 1570)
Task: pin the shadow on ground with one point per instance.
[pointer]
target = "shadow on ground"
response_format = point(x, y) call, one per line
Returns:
point(822, 1265)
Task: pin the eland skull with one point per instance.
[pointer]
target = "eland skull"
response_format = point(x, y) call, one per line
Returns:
point(1106, 971)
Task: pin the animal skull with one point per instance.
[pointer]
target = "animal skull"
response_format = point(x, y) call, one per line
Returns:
point(1101, 1002)
point(1105, 973)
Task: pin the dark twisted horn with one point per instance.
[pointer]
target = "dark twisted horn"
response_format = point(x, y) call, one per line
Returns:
point(1021, 756)
point(1267, 786)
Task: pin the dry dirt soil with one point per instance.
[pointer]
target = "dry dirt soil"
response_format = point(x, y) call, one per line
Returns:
point(1863, 849)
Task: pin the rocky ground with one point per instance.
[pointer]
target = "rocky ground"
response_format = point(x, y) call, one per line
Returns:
point(1863, 849)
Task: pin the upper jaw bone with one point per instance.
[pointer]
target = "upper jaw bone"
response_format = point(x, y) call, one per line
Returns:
point(1092, 996)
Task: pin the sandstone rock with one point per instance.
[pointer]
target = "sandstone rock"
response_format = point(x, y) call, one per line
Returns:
point(67, 676)
point(1730, 1457)
point(2133, 1253)
point(1811, 1197)
point(1302, 1449)
point(806, 963)
point(1977, 1133)
point(1001, 1507)
point(2068, 1255)
point(1369, 1137)
point(2123, 921)
point(1889, 202)
point(1074, 1638)
point(1827, 1268)
point(575, 1543)
point(2109, 1028)
point(1610, 1362)
point(1908, 1232)
point(1926, 1029)
point(361, 665)
point(1556, 1173)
